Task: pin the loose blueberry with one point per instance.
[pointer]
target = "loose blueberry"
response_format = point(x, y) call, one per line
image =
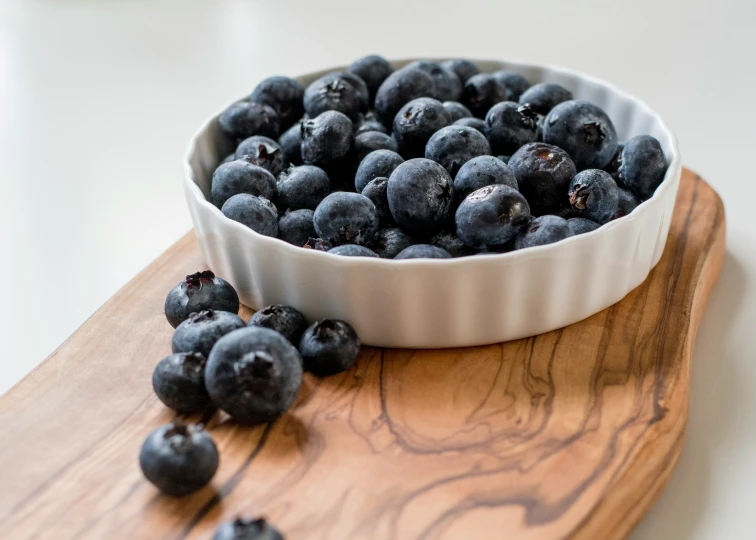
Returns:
point(329, 347)
point(543, 173)
point(448, 85)
point(482, 171)
point(643, 165)
point(388, 243)
point(327, 139)
point(582, 225)
point(365, 143)
point(543, 97)
point(369, 122)
point(491, 216)
point(515, 83)
point(317, 244)
point(285, 320)
point(240, 176)
point(481, 92)
point(296, 226)
point(416, 122)
point(257, 213)
point(253, 374)
point(626, 202)
point(593, 194)
point(450, 242)
point(352, 250)
point(421, 196)
point(285, 95)
point(475, 123)
point(179, 382)
point(584, 131)
point(291, 144)
point(456, 110)
point(509, 126)
point(302, 187)
point(201, 330)
point(543, 230)
point(377, 164)
point(262, 151)
point(346, 218)
point(333, 92)
point(453, 146)
point(247, 529)
point(464, 69)
point(401, 87)
point(376, 191)
point(423, 251)
point(244, 119)
point(199, 292)
point(179, 459)
point(373, 70)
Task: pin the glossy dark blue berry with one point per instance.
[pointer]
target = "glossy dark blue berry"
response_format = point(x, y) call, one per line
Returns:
point(543, 230)
point(244, 119)
point(543, 97)
point(333, 92)
point(247, 529)
point(626, 202)
point(456, 110)
point(491, 216)
point(416, 122)
point(262, 151)
point(584, 131)
point(240, 176)
point(201, 330)
point(302, 187)
point(290, 142)
point(476, 123)
point(373, 70)
point(198, 292)
point(464, 69)
point(257, 213)
point(329, 346)
point(368, 142)
point(376, 191)
point(285, 320)
point(451, 243)
point(353, 250)
point(377, 164)
point(388, 243)
point(642, 166)
point(296, 226)
point(423, 251)
point(543, 174)
point(285, 95)
point(179, 382)
point(509, 126)
point(482, 171)
point(481, 92)
point(453, 146)
point(514, 82)
point(179, 459)
point(593, 194)
point(346, 218)
point(369, 122)
point(421, 196)
point(581, 225)
point(401, 87)
point(327, 139)
point(253, 374)
point(447, 85)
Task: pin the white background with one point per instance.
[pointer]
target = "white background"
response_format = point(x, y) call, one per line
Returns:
point(98, 100)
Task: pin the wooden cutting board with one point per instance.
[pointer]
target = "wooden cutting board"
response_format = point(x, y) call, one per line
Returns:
point(572, 433)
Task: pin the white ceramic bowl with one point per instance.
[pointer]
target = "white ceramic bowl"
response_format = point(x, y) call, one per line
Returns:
point(424, 303)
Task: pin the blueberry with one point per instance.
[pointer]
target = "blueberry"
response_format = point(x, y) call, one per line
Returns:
point(416, 122)
point(262, 151)
point(253, 374)
point(482, 171)
point(380, 163)
point(327, 139)
point(584, 131)
point(346, 218)
point(491, 216)
point(543, 173)
point(581, 225)
point(421, 196)
point(509, 126)
point(387, 243)
point(448, 86)
point(376, 191)
point(481, 92)
point(201, 330)
point(302, 187)
point(329, 346)
point(373, 70)
point(475, 123)
point(285, 320)
point(179, 382)
point(593, 194)
point(464, 69)
point(291, 144)
point(626, 202)
point(360, 85)
point(543, 97)
point(179, 459)
point(456, 110)
point(198, 292)
point(296, 227)
point(453, 146)
point(423, 251)
point(240, 176)
point(244, 119)
point(450, 242)
point(643, 165)
point(543, 230)
point(247, 529)
point(515, 83)
point(317, 244)
point(401, 87)
point(353, 250)
point(365, 143)
point(369, 122)
point(257, 213)
point(285, 95)
point(333, 92)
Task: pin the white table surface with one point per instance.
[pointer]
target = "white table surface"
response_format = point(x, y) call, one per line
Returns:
point(99, 99)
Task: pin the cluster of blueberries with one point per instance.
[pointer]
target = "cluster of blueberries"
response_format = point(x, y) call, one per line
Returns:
point(427, 161)
point(252, 371)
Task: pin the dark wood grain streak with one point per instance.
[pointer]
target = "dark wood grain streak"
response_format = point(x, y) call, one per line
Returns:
point(569, 434)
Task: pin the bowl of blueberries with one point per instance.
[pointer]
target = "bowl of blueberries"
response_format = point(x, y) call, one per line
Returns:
point(434, 203)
